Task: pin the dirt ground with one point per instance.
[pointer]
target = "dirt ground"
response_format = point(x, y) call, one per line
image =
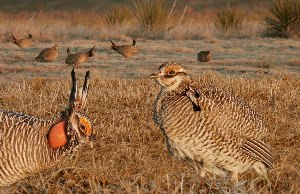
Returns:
point(244, 57)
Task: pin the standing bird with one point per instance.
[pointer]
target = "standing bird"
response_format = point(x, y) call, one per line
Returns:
point(204, 56)
point(125, 50)
point(207, 127)
point(23, 43)
point(48, 54)
point(30, 144)
point(75, 59)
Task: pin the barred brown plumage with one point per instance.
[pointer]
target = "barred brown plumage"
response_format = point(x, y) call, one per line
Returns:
point(29, 145)
point(48, 54)
point(24, 42)
point(75, 59)
point(125, 50)
point(208, 127)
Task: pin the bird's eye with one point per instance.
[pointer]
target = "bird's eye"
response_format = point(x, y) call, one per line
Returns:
point(82, 127)
point(171, 72)
point(85, 126)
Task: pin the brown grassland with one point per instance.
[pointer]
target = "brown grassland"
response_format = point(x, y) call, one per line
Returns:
point(129, 154)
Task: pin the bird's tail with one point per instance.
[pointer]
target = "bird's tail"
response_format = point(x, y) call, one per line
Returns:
point(14, 38)
point(113, 45)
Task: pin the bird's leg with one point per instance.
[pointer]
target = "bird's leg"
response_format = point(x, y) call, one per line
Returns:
point(235, 177)
point(199, 180)
point(261, 170)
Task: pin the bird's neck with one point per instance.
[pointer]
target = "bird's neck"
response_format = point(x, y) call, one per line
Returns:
point(178, 88)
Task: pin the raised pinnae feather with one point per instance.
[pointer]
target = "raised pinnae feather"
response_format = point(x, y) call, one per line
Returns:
point(78, 98)
point(85, 88)
point(73, 93)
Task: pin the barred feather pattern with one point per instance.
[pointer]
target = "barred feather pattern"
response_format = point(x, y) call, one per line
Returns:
point(48, 54)
point(23, 43)
point(75, 59)
point(24, 146)
point(225, 134)
point(125, 50)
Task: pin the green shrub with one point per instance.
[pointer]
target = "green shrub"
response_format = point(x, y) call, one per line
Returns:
point(284, 19)
point(227, 19)
point(117, 16)
point(152, 14)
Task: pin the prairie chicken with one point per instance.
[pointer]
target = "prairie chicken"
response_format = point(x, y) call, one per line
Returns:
point(48, 54)
point(204, 56)
point(207, 127)
point(125, 50)
point(23, 43)
point(30, 144)
point(75, 59)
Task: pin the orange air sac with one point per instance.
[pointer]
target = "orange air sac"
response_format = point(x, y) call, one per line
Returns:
point(57, 136)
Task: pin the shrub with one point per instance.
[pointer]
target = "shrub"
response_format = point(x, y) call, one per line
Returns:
point(284, 19)
point(152, 14)
point(227, 19)
point(117, 16)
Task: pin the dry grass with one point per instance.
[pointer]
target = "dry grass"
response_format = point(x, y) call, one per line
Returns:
point(130, 155)
point(227, 19)
point(62, 26)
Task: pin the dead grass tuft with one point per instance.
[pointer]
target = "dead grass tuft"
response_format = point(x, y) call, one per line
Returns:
point(117, 16)
point(228, 19)
point(284, 19)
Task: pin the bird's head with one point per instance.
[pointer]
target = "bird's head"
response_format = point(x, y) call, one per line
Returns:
point(170, 75)
point(74, 127)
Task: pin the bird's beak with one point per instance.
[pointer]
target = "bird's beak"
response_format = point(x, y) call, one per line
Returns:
point(154, 75)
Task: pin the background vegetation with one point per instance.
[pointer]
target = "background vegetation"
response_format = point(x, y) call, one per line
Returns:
point(284, 19)
point(149, 19)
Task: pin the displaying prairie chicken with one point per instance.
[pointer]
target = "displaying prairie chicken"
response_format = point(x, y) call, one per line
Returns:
point(23, 43)
point(125, 50)
point(29, 144)
point(48, 54)
point(75, 59)
point(207, 127)
point(204, 56)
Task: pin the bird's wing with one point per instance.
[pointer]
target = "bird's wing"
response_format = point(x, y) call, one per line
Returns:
point(227, 107)
point(44, 52)
point(258, 150)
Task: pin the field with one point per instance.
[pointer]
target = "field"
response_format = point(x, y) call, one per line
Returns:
point(129, 154)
